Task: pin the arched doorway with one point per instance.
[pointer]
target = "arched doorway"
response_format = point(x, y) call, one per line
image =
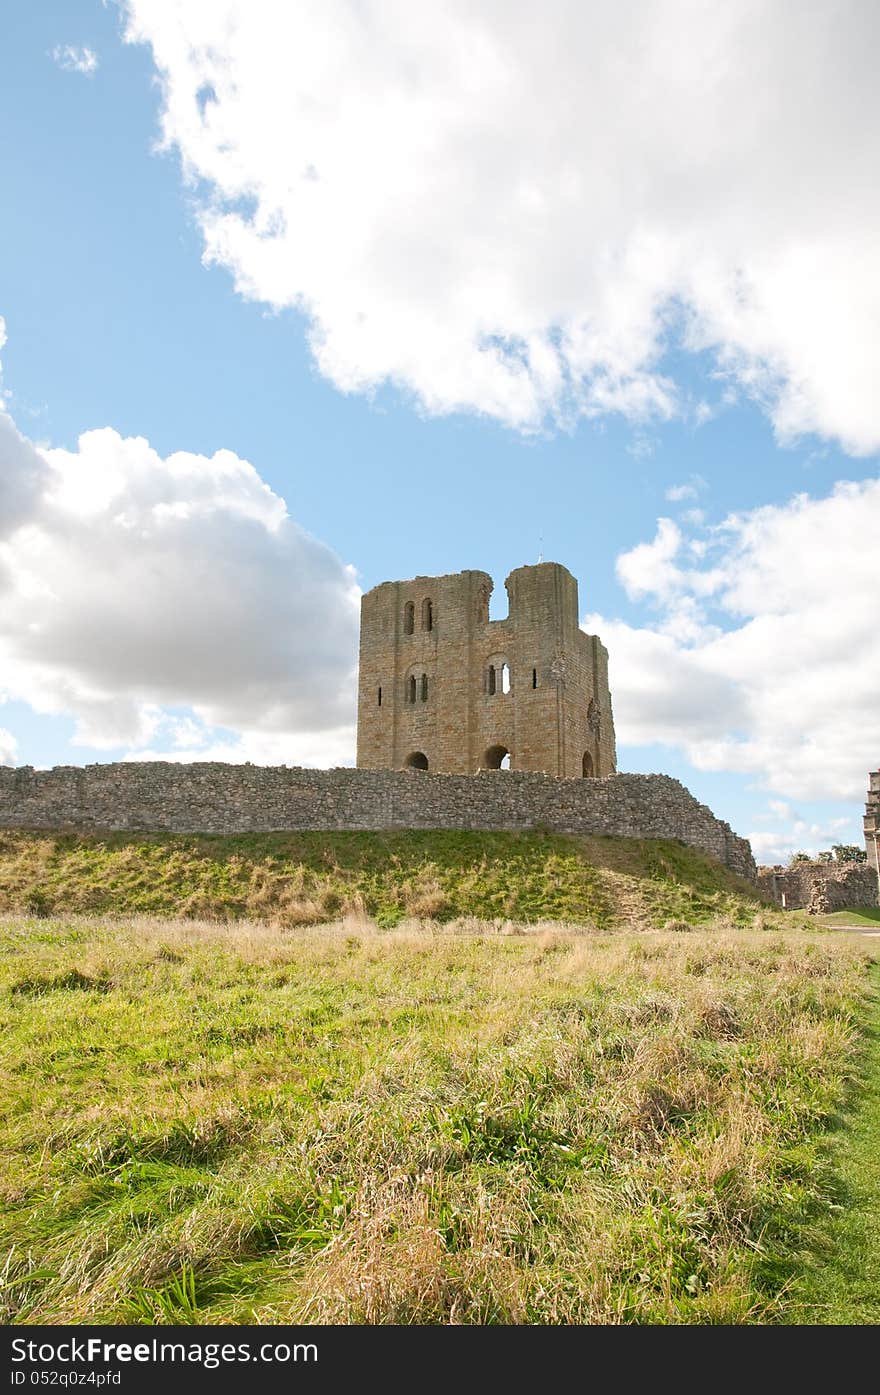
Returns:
point(417, 760)
point(497, 758)
point(587, 767)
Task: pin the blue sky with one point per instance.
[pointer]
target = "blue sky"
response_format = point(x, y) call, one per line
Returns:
point(392, 451)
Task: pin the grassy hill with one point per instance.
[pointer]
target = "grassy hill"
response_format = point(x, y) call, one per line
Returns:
point(294, 879)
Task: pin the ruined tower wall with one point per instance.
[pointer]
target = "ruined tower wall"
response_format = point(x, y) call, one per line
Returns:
point(820, 887)
point(557, 709)
point(872, 818)
point(445, 655)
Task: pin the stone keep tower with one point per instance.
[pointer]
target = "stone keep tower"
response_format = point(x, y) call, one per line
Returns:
point(872, 820)
point(444, 688)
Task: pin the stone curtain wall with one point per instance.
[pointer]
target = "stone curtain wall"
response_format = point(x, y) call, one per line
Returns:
point(216, 798)
point(821, 887)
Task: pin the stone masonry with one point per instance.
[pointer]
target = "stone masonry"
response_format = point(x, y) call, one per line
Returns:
point(444, 688)
point(219, 798)
point(872, 819)
point(820, 887)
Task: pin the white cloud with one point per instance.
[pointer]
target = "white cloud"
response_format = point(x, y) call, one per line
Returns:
point(8, 747)
point(515, 210)
point(649, 569)
point(75, 59)
point(763, 658)
point(23, 476)
point(133, 584)
point(680, 493)
point(322, 748)
point(794, 834)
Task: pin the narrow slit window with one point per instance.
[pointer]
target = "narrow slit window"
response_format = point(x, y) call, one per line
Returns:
point(424, 687)
point(505, 678)
point(409, 618)
point(411, 689)
point(379, 704)
point(534, 678)
point(491, 684)
point(427, 615)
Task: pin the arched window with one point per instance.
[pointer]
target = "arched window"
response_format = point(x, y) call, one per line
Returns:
point(497, 676)
point(587, 766)
point(497, 758)
point(411, 688)
point(417, 760)
point(409, 618)
point(427, 615)
point(424, 687)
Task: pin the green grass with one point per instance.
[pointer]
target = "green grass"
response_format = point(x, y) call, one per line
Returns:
point(310, 878)
point(253, 1123)
point(866, 916)
point(837, 1278)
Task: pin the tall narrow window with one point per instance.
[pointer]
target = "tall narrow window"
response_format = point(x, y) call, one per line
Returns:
point(505, 678)
point(424, 687)
point(411, 688)
point(427, 615)
point(379, 704)
point(491, 683)
point(534, 678)
point(409, 618)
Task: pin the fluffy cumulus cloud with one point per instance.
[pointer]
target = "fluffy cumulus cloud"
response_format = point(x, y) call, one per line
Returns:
point(516, 209)
point(172, 598)
point(23, 476)
point(760, 655)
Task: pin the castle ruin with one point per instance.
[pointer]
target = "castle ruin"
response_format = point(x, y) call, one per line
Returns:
point(872, 821)
point(822, 887)
point(444, 688)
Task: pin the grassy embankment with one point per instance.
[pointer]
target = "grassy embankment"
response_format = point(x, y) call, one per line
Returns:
point(241, 1122)
point(295, 879)
point(861, 917)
